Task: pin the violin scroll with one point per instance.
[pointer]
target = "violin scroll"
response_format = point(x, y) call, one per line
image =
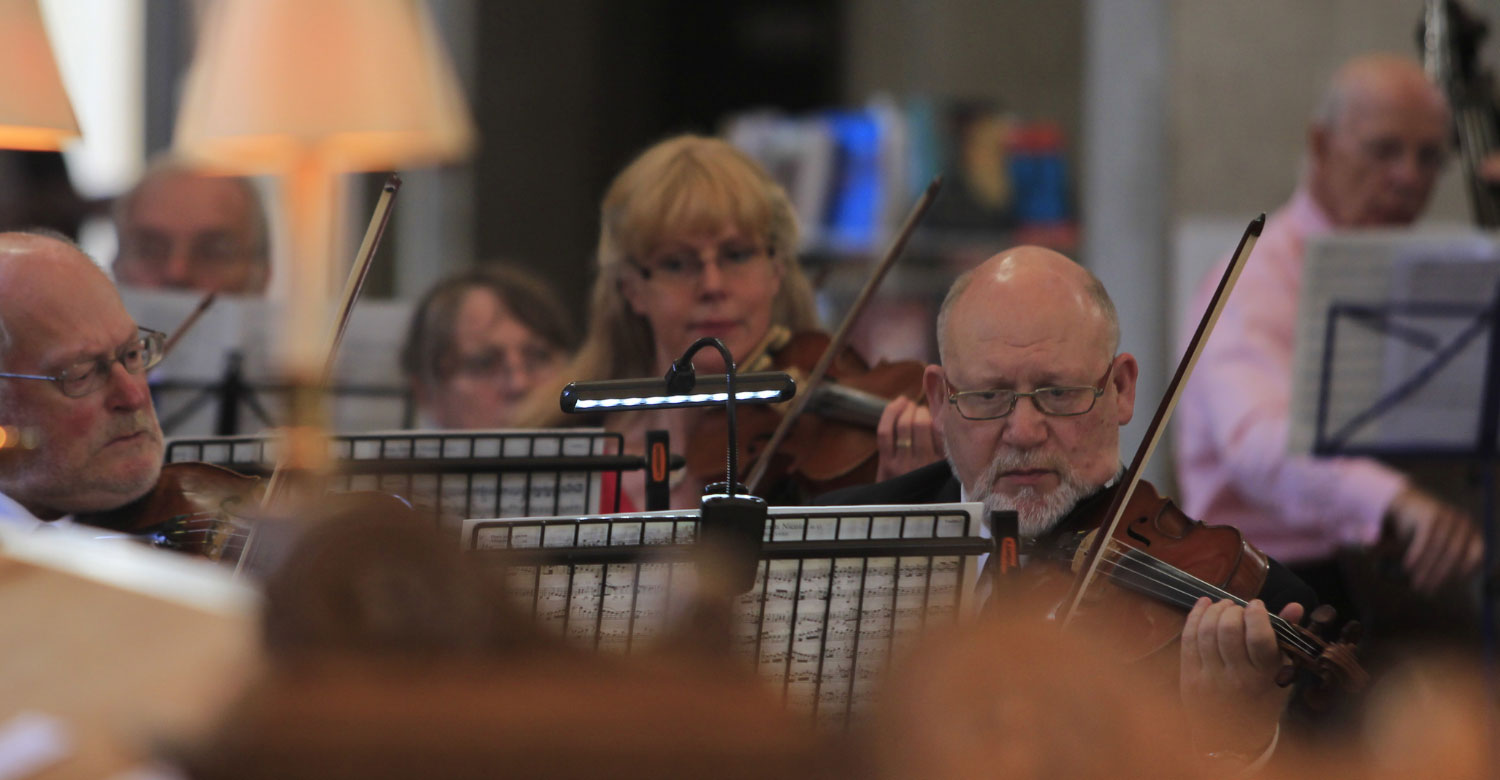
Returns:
point(1333, 661)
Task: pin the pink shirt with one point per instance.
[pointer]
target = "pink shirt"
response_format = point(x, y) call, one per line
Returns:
point(1231, 426)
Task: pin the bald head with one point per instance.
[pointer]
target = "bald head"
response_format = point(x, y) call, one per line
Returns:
point(1377, 142)
point(70, 342)
point(1030, 322)
point(1368, 81)
point(31, 266)
point(1018, 281)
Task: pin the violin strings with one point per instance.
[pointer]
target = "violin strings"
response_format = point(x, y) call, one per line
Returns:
point(1176, 586)
point(1143, 565)
point(1141, 578)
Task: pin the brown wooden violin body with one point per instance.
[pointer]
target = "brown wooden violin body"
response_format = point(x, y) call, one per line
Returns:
point(207, 510)
point(833, 444)
point(1157, 564)
point(193, 508)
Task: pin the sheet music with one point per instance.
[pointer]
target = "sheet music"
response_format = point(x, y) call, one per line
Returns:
point(452, 496)
point(822, 630)
point(1374, 358)
point(247, 325)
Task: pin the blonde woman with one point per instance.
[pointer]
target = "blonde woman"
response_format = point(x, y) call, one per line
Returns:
point(697, 240)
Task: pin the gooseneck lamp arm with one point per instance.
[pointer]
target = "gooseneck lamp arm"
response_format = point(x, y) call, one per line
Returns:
point(680, 379)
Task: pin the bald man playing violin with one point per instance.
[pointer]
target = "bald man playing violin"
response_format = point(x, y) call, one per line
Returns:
point(73, 374)
point(1029, 401)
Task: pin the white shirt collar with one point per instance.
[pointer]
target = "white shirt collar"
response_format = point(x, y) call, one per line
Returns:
point(19, 517)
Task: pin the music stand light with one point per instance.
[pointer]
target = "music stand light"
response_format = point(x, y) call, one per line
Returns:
point(622, 395)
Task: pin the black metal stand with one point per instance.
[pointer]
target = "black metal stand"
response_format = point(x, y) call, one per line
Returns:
point(232, 392)
point(1484, 451)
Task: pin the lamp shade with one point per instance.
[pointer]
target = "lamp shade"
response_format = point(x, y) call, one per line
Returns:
point(34, 110)
point(360, 84)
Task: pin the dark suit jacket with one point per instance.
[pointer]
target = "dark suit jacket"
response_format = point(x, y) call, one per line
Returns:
point(935, 484)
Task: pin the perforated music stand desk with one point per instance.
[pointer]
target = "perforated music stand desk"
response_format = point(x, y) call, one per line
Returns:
point(458, 474)
point(838, 591)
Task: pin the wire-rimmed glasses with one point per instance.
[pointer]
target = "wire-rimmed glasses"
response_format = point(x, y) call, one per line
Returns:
point(1060, 401)
point(685, 268)
point(90, 374)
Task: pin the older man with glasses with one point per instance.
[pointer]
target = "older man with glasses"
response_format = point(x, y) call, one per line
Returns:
point(1030, 398)
point(181, 228)
point(73, 377)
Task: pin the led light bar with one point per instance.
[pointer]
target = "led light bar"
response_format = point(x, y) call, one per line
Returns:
point(620, 395)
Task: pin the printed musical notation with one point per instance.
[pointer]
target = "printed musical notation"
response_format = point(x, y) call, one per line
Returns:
point(821, 629)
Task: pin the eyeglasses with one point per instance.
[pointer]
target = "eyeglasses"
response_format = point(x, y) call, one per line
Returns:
point(1429, 158)
point(90, 374)
point(206, 251)
point(685, 268)
point(1062, 401)
point(499, 363)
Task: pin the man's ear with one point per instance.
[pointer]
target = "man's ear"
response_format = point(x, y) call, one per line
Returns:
point(1319, 140)
point(935, 385)
point(1123, 379)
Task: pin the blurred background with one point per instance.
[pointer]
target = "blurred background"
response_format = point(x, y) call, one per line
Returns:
point(1136, 136)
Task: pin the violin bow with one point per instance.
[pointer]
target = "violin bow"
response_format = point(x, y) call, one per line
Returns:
point(352, 288)
point(1132, 476)
point(188, 322)
point(841, 336)
point(362, 260)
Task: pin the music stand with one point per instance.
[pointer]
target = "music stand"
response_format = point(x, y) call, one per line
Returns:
point(457, 474)
point(1398, 355)
point(224, 367)
point(838, 591)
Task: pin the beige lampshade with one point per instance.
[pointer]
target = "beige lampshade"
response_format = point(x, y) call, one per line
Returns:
point(361, 84)
point(34, 110)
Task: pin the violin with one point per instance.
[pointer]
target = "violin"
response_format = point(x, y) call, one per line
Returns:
point(833, 443)
point(208, 511)
point(195, 508)
point(1162, 562)
point(1146, 546)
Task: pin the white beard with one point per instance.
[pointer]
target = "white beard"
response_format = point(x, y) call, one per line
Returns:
point(1037, 512)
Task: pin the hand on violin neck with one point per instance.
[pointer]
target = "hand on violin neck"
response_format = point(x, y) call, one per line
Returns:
point(1230, 662)
point(906, 438)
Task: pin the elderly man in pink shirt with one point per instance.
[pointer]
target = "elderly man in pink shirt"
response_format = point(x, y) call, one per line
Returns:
point(1374, 150)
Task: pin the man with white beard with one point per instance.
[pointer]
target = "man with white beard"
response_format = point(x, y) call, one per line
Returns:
point(73, 376)
point(1030, 398)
